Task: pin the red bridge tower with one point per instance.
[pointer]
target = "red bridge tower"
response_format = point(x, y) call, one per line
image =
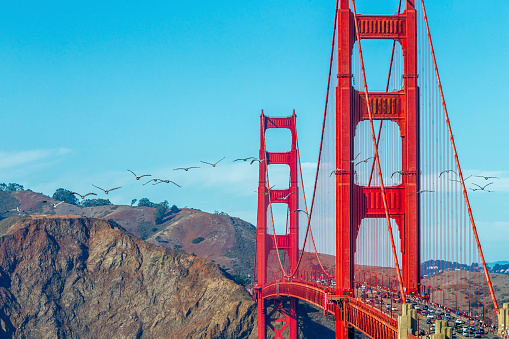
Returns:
point(269, 244)
point(401, 107)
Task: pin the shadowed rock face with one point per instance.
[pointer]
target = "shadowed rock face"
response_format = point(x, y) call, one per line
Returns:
point(63, 277)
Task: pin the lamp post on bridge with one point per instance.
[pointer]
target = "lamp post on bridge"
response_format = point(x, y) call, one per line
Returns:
point(456, 307)
point(483, 313)
point(469, 311)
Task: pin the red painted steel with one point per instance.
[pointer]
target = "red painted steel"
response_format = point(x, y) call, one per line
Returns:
point(401, 107)
point(365, 318)
point(384, 106)
point(377, 157)
point(345, 209)
point(353, 202)
point(382, 26)
point(276, 242)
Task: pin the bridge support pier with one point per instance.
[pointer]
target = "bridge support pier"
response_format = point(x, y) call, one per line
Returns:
point(441, 330)
point(407, 322)
point(503, 319)
point(261, 317)
point(341, 326)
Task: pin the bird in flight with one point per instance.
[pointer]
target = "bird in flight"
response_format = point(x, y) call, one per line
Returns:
point(353, 161)
point(447, 171)
point(421, 191)
point(483, 188)
point(399, 172)
point(337, 171)
point(141, 176)
point(465, 179)
point(106, 191)
point(214, 164)
point(167, 182)
point(299, 211)
point(154, 180)
point(244, 159)
point(259, 160)
point(486, 178)
point(185, 168)
point(267, 191)
point(58, 203)
point(83, 196)
point(365, 160)
point(284, 198)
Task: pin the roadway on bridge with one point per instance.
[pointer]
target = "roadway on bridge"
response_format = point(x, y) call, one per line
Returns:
point(458, 323)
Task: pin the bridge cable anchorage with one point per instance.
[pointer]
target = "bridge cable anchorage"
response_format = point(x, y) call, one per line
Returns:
point(377, 158)
point(386, 91)
point(460, 174)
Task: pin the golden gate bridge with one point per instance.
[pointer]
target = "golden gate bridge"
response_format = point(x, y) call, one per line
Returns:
point(388, 230)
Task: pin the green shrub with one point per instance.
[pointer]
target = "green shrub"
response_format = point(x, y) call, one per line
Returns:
point(198, 240)
point(95, 202)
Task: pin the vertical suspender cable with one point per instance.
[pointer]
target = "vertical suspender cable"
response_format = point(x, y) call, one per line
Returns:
point(474, 228)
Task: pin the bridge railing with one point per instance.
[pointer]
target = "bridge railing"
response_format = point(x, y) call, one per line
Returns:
point(320, 277)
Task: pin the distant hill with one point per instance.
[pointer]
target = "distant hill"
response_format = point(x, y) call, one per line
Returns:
point(225, 240)
point(433, 267)
point(491, 264)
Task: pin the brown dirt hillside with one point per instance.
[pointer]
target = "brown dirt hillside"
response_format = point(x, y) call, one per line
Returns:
point(228, 241)
point(74, 277)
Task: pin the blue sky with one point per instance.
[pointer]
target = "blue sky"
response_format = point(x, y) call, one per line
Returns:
point(90, 89)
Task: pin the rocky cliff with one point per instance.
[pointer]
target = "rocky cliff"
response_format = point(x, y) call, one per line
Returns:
point(74, 277)
point(228, 241)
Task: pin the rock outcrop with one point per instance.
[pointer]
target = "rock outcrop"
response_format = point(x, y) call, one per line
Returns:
point(74, 277)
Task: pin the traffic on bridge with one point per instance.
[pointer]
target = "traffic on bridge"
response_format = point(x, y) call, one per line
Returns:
point(386, 243)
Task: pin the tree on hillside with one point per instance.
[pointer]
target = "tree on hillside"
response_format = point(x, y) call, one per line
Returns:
point(133, 201)
point(95, 202)
point(146, 202)
point(62, 194)
point(174, 209)
point(11, 187)
point(160, 211)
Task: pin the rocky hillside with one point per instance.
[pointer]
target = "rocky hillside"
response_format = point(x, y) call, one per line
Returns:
point(228, 241)
point(74, 277)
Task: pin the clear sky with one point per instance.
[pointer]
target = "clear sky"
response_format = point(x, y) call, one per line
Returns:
point(89, 89)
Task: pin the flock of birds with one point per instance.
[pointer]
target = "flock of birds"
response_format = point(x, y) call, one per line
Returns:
point(156, 181)
point(252, 160)
point(477, 187)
